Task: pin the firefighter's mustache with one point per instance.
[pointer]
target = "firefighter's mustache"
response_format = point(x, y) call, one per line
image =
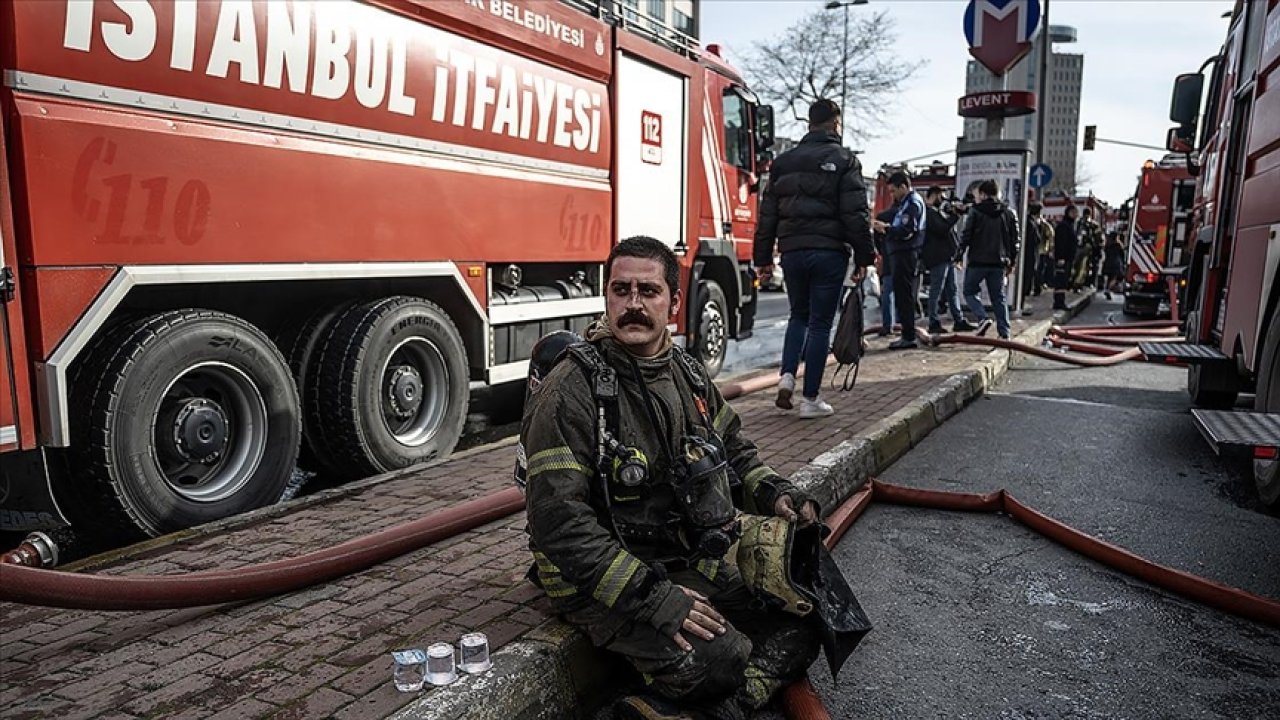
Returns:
point(635, 317)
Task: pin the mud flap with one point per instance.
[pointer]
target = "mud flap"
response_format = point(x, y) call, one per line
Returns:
point(26, 496)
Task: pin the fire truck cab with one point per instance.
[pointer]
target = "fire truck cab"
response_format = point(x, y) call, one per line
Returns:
point(239, 237)
point(1233, 323)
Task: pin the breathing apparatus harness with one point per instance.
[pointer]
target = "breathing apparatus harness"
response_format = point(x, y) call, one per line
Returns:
point(700, 477)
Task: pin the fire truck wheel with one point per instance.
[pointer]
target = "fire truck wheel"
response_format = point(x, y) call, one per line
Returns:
point(713, 326)
point(1266, 473)
point(299, 342)
point(391, 387)
point(181, 418)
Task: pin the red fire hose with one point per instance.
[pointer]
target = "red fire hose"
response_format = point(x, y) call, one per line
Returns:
point(801, 702)
point(1088, 348)
point(1120, 331)
point(1115, 359)
point(53, 588)
point(1140, 324)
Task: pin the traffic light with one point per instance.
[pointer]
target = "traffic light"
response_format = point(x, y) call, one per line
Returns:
point(1090, 136)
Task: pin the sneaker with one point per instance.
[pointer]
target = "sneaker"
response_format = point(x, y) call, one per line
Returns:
point(647, 707)
point(903, 344)
point(815, 408)
point(983, 327)
point(962, 326)
point(1108, 294)
point(1004, 337)
point(935, 328)
point(884, 332)
point(786, 386)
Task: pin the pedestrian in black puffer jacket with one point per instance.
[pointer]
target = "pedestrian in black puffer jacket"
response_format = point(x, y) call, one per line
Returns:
point(815, 209)
point(991, 238)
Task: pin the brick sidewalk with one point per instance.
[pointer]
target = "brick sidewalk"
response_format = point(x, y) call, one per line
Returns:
point(323, 652)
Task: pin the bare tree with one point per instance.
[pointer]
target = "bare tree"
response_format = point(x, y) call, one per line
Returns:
point(1085, 176)
point(804, 64)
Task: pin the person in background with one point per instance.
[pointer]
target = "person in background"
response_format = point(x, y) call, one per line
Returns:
point(816, 210)
point(939, 248)
point(887, 317)
point(1064, 256)
point(1044, 269)
point(1031, 254)
point(1088, 246)
point(904, 239)
point(990, 239)
point(1112, 264)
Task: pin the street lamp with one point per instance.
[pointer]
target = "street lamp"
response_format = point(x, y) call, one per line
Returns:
point(844, 57)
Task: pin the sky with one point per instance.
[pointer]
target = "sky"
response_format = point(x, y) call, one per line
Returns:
point(1133, 50)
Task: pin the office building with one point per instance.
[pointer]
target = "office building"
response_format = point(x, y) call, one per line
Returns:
point(1062, 124)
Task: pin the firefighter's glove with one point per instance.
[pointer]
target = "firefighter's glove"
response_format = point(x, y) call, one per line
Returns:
point(785, 507)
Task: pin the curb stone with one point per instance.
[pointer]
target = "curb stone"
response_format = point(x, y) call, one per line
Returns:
point(830, 478)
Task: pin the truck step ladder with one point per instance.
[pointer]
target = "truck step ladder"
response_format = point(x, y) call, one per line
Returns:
point(1172, 353)
point(1255, 435)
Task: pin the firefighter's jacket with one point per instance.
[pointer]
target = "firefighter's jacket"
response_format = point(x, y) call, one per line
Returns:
point(578, 559)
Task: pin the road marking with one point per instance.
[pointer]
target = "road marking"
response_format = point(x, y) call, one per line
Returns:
point(1068, 401)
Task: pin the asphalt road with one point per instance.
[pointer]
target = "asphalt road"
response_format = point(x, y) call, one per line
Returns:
point(978, 617)
point(764, 347)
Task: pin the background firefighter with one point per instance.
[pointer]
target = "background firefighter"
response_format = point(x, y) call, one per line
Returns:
point(632, 562)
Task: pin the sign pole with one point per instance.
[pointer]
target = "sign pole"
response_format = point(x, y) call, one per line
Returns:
point(1000, 33)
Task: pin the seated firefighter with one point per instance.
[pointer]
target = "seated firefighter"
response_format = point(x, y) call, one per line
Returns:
point(633, 506)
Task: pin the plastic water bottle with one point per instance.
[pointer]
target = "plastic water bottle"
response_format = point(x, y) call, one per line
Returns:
point(440, 667)
point(410, 669)
point(473, 653)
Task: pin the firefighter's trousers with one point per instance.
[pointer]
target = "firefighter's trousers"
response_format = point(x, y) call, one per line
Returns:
point(761, 651)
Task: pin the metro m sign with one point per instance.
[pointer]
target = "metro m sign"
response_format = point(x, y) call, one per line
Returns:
point(1000, 32)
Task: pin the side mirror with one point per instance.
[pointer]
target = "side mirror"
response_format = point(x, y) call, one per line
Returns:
point(764, 128)
point(1187, 91)
point(1180, 139)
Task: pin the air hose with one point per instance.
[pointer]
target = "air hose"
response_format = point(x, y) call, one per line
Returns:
point(801, 702)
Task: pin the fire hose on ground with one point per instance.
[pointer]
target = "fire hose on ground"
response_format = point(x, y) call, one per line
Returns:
point(801, 702)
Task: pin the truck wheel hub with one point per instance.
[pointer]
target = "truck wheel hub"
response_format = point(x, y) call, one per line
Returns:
point(404, 391)
point(200, 430)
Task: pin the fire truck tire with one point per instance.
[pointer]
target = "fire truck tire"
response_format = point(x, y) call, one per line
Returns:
point(390, 388)
point(299, 342)
point(713, 326)
point(181, 418)
point(1266, 473)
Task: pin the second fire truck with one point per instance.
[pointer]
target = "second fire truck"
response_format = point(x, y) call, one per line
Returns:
point(1159, 226)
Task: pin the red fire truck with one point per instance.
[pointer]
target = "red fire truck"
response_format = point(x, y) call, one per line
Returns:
point(1233, 327)
point(1158, 232)
point(231, 229)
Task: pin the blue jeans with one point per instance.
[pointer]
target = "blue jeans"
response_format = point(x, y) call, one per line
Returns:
point(994, 277)
point(942, 280)
point(814, 280)
point(886, 301)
